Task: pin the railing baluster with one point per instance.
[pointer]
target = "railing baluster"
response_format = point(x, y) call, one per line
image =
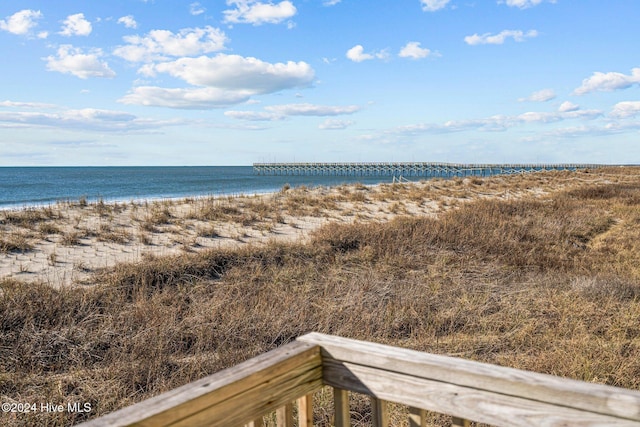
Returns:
point(256, 423)
point(284, 416)
point(305, 411)
point(379, 412)
point(341, 403)
point(460, 422)
point(417, 417)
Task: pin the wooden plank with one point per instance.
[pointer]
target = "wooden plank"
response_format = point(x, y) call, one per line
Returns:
point(233, 396)
point(379, 413)
point(341, 406)
point(598, 398)
point(284, 415)
point(305, 411)
point(460, 401)
point(417, 417)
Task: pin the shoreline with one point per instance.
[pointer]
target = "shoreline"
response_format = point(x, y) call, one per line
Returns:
point(66, 243)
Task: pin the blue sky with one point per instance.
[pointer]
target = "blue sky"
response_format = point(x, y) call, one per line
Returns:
point(170, 82)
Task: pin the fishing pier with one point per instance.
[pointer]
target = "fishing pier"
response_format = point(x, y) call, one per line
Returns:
point(415, 169)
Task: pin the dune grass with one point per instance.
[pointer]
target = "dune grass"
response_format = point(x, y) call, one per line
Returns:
point(549, 284)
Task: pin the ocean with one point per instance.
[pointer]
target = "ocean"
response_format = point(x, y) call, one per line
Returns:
point(36, 186)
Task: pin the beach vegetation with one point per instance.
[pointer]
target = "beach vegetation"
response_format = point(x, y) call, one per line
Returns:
point(547, 281)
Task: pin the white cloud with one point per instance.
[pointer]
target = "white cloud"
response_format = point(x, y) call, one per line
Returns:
point(567, 106)
point(128, 21)
point(626, 109)
point(87, 119)
point(17, 104)
point(76, 25)
point(258, 13)
point(20, 23)
point(196, 9)
point(500, 38)
point(223, 80)
point(237, 72)
point(257, 116)
point(70, 60)
point(608, 82)
point(356, 54)
point(331, 2)
point(335, 124)
point(279, 112)
point(312, 110)
point(185, 98)
point(523, 4)
point(540, 96)
point(433, 5)
point(414, 51)
point(496, 123)
point(161, 44)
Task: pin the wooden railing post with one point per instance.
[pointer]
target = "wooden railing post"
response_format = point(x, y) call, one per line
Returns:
point(305, 411)
point(379, 413)
point(284, 416)
point(460, 422)
point(417, 417)
point(341, 403)
point(256, 423)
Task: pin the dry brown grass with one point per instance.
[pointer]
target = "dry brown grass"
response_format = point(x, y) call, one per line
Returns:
point(549, 284)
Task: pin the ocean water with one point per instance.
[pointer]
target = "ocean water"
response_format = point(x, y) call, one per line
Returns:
point(36, 186)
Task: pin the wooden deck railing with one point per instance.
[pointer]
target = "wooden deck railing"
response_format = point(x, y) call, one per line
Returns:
point(466, 390)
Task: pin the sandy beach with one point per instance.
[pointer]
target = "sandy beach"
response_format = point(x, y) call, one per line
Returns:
point(66, 243)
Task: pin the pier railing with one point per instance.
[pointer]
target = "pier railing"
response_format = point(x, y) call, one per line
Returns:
point(408, 169)
point(465, 390)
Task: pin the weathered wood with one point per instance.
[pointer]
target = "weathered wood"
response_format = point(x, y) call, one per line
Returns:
point(305, 411)
point(460, 401)
point(258, 422)
point(417, 417)
point(233, 396)
point(284, 416)
point(485, 379)
point(379, 413)
point(341, 404)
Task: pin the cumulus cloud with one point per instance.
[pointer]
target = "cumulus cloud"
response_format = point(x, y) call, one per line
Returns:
point(161, 44)
point(221, 80)
point(523, 4)
point(128, 21)
point(500, 38)
point(76, 25)
point(70, 60)
point(540, 96)
point(356, 54)
point(237, 72)
point(433, 5)
point(335, 124)
point(196, 9)
point(608, 82)
point(625, 109)
point(414, 51)
point(21, 23)
point(567, 106)
point(201, 98)
point(258, 13)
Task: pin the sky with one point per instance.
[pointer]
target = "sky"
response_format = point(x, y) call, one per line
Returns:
point(172, 82)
